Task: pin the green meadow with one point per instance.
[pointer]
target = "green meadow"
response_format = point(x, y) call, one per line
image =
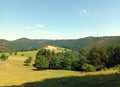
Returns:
point(27, 53)
point(13, 73)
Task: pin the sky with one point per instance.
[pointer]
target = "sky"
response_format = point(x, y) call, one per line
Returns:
point(59, 19)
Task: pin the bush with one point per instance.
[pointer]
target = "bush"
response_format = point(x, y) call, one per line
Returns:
point(10, 53)
point(4, 57)
point(15, 53)
point(22, 54)
point(88, 67)
point(28, 61)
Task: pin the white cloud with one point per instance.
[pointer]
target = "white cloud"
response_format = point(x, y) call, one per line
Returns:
point(28, 27)
point(83, 11)
point(40, 25)
point(37, 26)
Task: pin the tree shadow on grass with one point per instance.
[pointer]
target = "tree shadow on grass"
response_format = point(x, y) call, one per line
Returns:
point(39, 69)
point(112, 80)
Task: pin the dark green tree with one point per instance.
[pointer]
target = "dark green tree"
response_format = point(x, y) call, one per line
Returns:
point(55, 63)
point(45, 53)
point(98, 56)
point(113, 55)
point(77, 65)
point(41, 62)
point(84, 52)
point(66, 63)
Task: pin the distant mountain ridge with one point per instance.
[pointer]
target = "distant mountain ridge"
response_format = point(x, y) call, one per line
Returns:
point(23, 44)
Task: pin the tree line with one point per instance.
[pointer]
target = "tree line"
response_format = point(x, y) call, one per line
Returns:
point(93, 59)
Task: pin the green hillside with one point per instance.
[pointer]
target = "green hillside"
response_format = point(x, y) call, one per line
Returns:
point(5, 45)
point(25, 44)
point(77, 44)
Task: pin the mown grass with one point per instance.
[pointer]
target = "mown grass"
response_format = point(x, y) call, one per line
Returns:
point(27, 53)
point(32, 53)
point(14, 73)
point(22, 54)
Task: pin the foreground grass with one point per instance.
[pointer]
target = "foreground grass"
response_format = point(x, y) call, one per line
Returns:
point(78, 81)
point(14, 73)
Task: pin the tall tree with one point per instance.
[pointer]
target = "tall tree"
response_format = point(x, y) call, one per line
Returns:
point(114, 55)
point(42, 59)
point(55, 63)
point(41, 62)
point(98, 56)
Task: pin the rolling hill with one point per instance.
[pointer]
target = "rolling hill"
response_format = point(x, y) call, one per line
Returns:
point(24, 44)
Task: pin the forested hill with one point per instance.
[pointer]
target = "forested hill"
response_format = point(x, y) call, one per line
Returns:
point(74, 44)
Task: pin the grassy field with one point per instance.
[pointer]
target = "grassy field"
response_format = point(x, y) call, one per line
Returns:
point(27, 53)
point(14, 74)
point(23, 54)
point(33, 53)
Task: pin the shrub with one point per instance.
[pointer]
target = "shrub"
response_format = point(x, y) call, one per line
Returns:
point(4, 57)
point(28, 61)
point(15, 53)
point(88, 67)
point(22, 54)
point(10, 53)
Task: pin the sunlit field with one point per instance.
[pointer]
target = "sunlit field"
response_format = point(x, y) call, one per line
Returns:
point(14, 73)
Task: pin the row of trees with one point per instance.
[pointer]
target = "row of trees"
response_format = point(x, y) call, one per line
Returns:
point(96, 58)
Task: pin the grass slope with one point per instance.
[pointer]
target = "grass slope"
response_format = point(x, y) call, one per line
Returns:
point(14, 74)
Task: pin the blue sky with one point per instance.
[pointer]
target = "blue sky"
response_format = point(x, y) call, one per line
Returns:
point(58, 19)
